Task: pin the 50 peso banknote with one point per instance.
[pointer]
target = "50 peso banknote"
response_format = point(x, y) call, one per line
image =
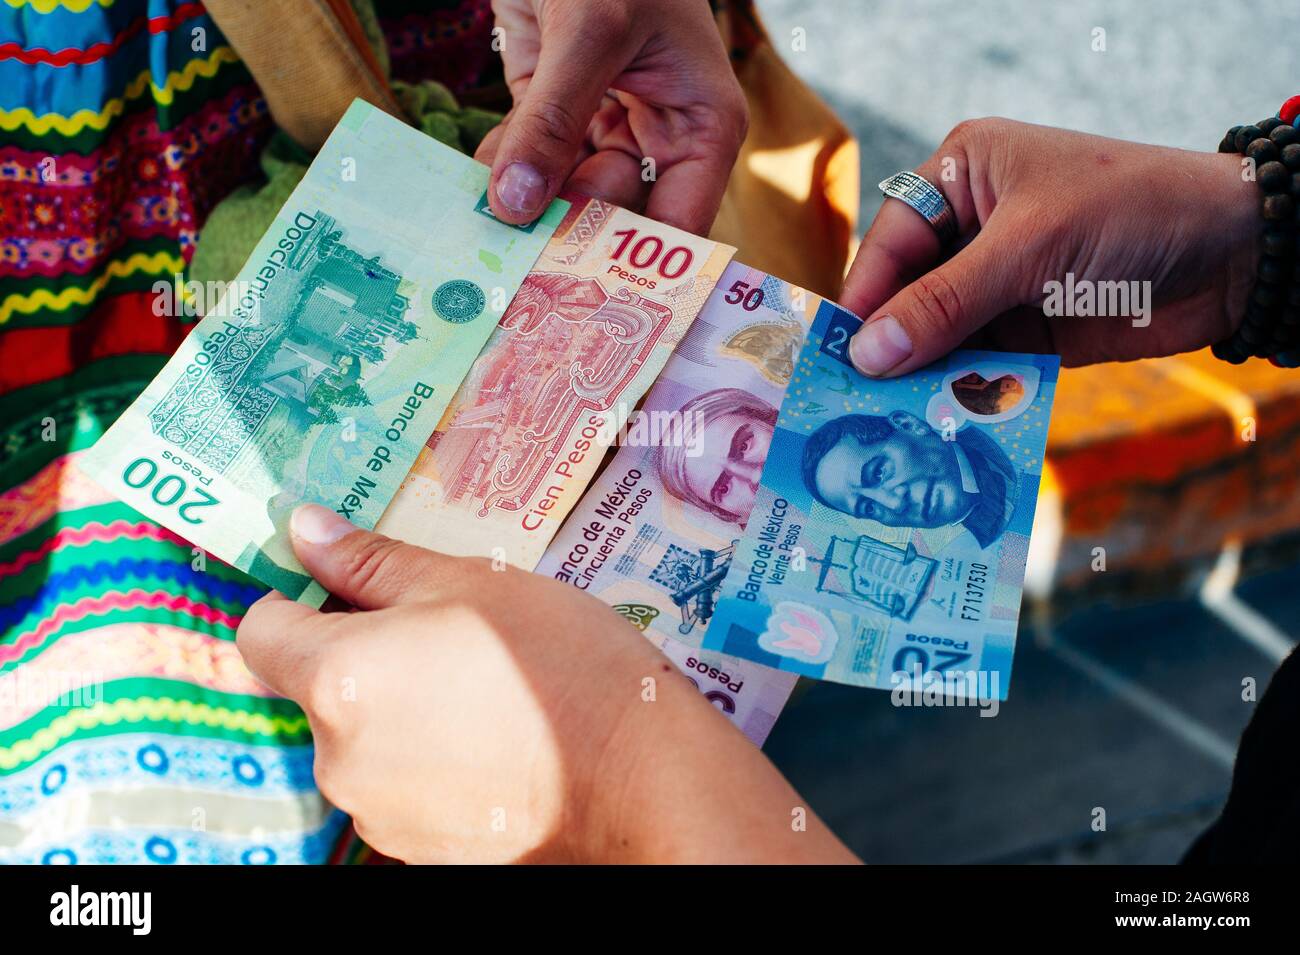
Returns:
point(888, 540)
point(655, 532)
point(589, 331)
point(331, 357)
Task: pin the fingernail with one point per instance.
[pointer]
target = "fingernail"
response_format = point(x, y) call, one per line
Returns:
point(879, 346)
point(319, 525)
point(521, 188)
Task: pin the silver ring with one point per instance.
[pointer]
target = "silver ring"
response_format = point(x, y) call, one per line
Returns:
point(925, 199)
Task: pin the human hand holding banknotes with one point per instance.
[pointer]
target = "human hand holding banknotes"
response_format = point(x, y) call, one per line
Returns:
point(466, 714)
point(1042, 212)
point(456, 380)
point(598, 85)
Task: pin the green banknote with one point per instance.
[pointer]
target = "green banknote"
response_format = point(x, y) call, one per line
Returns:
point(329, 360)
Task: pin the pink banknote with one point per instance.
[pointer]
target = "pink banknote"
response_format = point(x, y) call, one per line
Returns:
point(588, 332)
point(654, 534)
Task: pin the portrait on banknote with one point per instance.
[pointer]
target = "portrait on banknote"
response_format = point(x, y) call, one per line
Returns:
point(899, 471)
point(890, 528)
point(718, 471)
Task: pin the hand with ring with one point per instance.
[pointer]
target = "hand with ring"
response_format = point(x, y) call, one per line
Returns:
point(1032, 205)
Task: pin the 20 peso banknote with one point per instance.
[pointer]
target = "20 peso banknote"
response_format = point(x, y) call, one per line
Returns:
point(888, 540)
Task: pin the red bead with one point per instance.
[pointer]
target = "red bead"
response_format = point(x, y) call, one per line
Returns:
point(1290, 110)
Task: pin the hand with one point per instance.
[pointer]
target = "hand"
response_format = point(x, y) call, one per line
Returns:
point(600, 84)
point(466, 714)
point(1034, 204)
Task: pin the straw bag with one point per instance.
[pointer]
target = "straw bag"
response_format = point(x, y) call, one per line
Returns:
point(790, 206)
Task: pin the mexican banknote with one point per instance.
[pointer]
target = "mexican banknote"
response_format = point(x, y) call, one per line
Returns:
point(654, 534)
point(605, 305)
point(888, 539)
point(331, 357)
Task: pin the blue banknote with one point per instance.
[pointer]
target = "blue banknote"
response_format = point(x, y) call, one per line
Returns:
point(888, 540)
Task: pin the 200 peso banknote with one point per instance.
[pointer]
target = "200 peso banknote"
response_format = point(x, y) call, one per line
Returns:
point(654, 534)
point(888, 541)
point(607, 302)
point(331, 357)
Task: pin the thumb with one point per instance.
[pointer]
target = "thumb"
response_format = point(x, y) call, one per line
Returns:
point(545, 132)
point(940, 310)
point(368, 570)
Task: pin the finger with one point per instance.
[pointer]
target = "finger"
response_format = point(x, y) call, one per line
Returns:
point(489, 156)
point(937, 312)
point(487, 149)
point(901, 244)
point(491, 143)
point(688, 194)
point(280, 640)
point(898, 247)
point(579, 60)
point(613, 169)
point(368, 570)
point(697, 148)
point(613, 176)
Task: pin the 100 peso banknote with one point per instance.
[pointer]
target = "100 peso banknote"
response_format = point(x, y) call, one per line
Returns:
point(594, 322)
point(333, 354)
point(887, 544)
point(654, 534)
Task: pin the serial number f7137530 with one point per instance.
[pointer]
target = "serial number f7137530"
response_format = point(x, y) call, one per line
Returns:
point(976, 587)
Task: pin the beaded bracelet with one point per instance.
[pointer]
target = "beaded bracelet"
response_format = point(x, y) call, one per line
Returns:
point(1272, 325)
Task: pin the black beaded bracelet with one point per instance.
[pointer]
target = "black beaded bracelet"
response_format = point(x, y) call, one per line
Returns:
point(1271, 328)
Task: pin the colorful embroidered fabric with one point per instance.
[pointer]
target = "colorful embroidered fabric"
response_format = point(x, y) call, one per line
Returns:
point(130, 730)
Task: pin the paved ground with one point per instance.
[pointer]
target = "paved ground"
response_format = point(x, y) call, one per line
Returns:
point(901, 73)
point(1136, 712)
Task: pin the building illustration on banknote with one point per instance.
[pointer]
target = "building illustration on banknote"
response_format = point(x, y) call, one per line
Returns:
point(892, 580)
point(326, 314)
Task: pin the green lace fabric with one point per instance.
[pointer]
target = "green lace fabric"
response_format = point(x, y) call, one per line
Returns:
point(238, 221)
